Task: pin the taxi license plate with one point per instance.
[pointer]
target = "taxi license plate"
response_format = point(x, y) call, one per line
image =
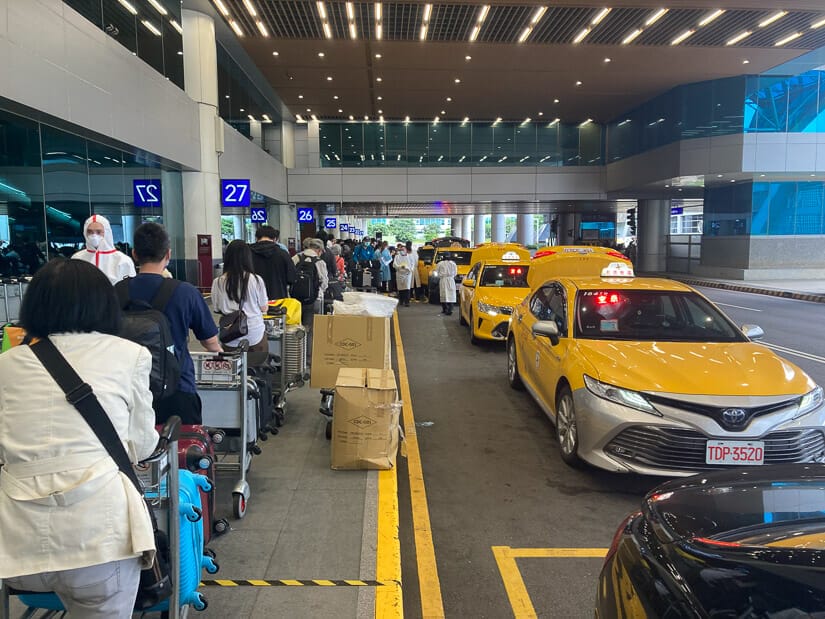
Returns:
point(736, 453)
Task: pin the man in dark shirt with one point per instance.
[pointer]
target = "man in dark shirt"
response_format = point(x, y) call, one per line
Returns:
point(272, 263)
point(186, 310)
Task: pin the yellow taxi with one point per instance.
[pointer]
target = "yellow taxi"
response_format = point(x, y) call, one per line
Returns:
point(462, 256)
point(496, 282)
point(646, 375)
point(425, 261)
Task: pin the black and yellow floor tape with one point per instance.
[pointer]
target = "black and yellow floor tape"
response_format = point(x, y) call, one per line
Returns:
point(299, 583)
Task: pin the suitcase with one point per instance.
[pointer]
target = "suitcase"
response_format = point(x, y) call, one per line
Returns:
point(196, 453)
point(268, 421)
point(361, 278)
point(193, 556)
point(291, 307)
point(294, 358)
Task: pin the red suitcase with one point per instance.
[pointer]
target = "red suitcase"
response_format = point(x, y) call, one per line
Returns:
point(196, 453)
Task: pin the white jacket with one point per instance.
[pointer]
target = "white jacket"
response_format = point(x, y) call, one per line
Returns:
point(446, 271)
point(63, 502)
point(404, 267)
point(114, 263)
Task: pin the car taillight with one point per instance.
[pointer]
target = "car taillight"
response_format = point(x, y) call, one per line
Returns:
point(616, 254)
point(716, 542)
point(614, 545)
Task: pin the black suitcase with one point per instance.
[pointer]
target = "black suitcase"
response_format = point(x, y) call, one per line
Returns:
point(263, 374)
point(361, 278)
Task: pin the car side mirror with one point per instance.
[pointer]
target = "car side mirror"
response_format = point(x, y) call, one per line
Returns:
point(469, 283)
point(428, 262)
point(753, 332)
point(548, 329)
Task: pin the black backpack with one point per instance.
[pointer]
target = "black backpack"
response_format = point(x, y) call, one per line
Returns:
point(146, 324)
point(307, 282)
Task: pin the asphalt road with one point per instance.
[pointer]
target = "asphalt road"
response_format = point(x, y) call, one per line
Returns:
point(494, 476)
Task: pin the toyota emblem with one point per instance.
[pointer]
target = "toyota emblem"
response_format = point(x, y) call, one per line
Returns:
point(734, 416)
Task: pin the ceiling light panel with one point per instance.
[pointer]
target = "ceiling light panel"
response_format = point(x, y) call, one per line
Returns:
point(158, 7)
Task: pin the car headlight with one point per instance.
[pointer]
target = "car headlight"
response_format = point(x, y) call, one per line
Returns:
point(625, 397)
point(809, 401)
point(488, 309)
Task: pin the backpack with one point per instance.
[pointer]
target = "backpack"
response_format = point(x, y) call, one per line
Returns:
point(146, 324)
point(307, 282)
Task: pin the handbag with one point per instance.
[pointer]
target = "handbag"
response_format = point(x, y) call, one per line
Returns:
point(232, 326)
point(155, 581)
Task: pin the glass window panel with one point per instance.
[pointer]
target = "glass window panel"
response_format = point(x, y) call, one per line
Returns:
point(483, 150)
point(772, 104)
point(109, 195)
point(727, 106)
point(172, 53)
point(524, 147)
point(461, 144)
point(751, 109)
point(821, 107)
point(22, 229)
point(696, 102)
point(395, 137)
point(782, 208)
point(374, 144)
point(569, 143)
point(417, 139)
point(438, 147)
point(810, 201)
point(547, 138)
point(803, 93)
point(90, 9)
point(353, 145)
point(590, 144)
point(329, 138)
point(120, 24)
point(149, 44)
point(504, 143)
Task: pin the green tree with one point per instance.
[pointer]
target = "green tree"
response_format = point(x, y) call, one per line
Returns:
point(402, 229)
point(432, 231)
point(373, 227)
point(227, 228)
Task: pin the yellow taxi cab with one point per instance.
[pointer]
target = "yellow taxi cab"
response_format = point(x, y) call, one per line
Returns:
point(425, 261)
point(646, 375)
point(462, 256)
point(496, 282)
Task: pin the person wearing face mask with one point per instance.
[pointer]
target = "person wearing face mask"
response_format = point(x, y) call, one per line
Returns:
point(363, 252)
point(404, 267)
point(100, 250)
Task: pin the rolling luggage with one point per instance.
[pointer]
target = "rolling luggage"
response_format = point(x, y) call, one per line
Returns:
point(361, 278)
point(294, 357)
point(196, 453)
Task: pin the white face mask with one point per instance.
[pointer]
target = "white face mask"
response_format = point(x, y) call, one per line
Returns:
point(95, 240)
point(403, 253)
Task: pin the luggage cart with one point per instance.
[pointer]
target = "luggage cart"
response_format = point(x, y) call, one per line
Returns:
point(225, 390)
point(287, 348)
point(159, 476)
point(13, 289)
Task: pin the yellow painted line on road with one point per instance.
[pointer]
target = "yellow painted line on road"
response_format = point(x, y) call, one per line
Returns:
point(388, 600)
point(511, 576)
point(432, 606)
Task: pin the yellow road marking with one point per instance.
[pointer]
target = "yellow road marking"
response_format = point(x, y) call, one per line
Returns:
point(324, 583)
point(429, 584)
point(258, 583)
point(356, 583)
point(511, 576)
point(293, 583)
point(388, 600)
point(226, 583)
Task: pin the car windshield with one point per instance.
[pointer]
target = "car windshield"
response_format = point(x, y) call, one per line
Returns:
point(426, 254)
point(504, 276)
point(459, 257)
point(646, 315)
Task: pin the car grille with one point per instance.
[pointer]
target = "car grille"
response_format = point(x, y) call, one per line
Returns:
point(717, 412)
point(678, 449)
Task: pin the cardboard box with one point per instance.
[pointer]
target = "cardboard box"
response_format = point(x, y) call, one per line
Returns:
point(365, 427)
point(347, 342)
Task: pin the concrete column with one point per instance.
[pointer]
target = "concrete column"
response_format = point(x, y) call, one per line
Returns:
point(524, 229)
point(201, 189)
point(467, 227)
point(479, 230)
point(653, 218)
point(288, 144)
point(289, 224)
point(238, 227)
point(567, 229)
point(497, 228)
point(457, 228)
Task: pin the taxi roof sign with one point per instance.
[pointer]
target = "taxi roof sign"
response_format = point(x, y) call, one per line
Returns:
point(510, 255)
point(618, 269)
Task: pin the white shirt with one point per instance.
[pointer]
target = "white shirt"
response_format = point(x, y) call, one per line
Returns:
point(254, 306)
point(51, 456)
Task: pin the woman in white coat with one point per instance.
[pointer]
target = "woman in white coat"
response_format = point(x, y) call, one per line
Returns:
point(446, 271)
point(72, 523)
point(100, 250)
point(404, 267)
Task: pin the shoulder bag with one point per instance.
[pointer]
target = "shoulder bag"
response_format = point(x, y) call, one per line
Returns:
point(155, 581)
point(232, 326)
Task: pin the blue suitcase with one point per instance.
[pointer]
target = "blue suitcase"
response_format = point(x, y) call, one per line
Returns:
point(192, 556)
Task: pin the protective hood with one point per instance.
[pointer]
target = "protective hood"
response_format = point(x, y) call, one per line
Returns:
point(265, 249)
point(108, 242)
point(736, 368)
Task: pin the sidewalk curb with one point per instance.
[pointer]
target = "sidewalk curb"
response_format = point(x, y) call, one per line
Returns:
point(785, 294)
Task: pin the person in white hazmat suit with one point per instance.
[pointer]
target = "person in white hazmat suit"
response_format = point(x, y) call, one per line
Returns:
point(404, 267)
point(100, 250)
point(446, 272)
point(416, 283)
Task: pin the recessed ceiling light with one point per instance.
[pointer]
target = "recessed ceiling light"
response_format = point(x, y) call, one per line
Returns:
point(378, 56)
point(379, 79)
point(818, 24)
point(242, 110)
point(582, 34)
point(340, 111)
point(468, 58)
point(608, 60)
point(632, 36)
point(236, 27)
point(578, 83)
point(746, 61)
point(682, 37)
point(226, 96)
point(541, 113)
point(787, 39)
point(309, 110)
point(733, 180)
point(380, 98)
point(711, 17)
point(300, 96)
point(555, 100)
point(406, 119)
point(128, 6)
point(335, 97)
point(443, 112)
point(600, 16)
point(327, 30)
point(457, 80)
point(772, 18)
point(656, 17)
point(738, 37)
point(275, 54)
point(380, 111)
point(321, 54)
point(329, 78)
point(449, 99)
point(351, 117)
point(719, 175)
point(366, 117)
point(219, 3)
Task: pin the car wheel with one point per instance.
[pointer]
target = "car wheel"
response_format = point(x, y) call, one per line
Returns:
point(461, 320)
point(513, 377)
point(566, 428)
point(473, 339)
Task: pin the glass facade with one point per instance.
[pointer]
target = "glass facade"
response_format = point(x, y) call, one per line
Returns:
point(51, 181)
point(154, 37)
point(418, 144)
point(765, 208)
point(777, 104)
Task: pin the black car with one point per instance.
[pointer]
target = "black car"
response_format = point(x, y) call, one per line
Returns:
point(746, 543)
